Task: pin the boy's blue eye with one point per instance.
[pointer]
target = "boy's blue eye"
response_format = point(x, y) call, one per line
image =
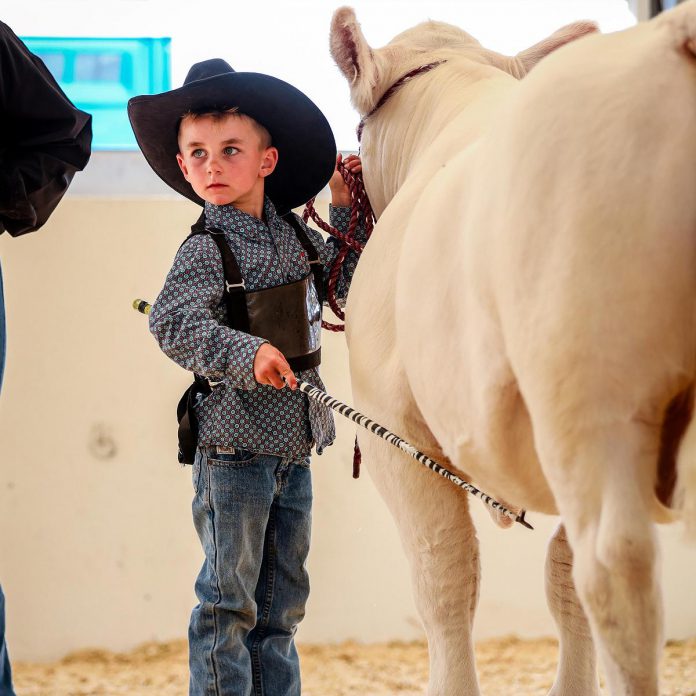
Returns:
point(198, 152)
point(230, 150)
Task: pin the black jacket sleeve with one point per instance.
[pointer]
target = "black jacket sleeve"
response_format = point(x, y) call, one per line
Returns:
point(44, 139)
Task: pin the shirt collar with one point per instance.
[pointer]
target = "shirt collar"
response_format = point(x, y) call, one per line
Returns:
point(231, 219)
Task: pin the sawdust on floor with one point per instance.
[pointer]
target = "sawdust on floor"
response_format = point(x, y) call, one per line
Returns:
point(505, 666)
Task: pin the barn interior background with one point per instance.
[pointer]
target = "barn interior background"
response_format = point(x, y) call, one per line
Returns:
point(97, 546)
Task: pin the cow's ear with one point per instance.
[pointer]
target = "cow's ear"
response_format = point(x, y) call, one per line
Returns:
point(354, 58)
point(532, 55)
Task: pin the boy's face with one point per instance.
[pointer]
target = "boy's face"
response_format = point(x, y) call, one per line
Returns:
point(224, 160)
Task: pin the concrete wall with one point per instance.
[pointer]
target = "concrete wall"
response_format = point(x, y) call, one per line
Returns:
point(97, 545)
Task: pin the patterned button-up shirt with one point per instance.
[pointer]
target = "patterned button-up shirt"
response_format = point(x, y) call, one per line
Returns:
point(189, 321)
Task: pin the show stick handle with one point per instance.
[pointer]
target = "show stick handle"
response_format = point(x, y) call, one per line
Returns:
point(142, 306)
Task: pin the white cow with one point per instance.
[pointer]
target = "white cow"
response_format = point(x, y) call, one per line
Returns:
point(526, 312)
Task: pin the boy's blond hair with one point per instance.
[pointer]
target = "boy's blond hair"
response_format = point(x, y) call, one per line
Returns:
point(221, 114)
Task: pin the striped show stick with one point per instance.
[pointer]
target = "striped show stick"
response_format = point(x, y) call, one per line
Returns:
point(391, 438)
point(379, 430)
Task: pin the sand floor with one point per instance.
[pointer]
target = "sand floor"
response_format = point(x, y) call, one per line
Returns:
point(506, 666)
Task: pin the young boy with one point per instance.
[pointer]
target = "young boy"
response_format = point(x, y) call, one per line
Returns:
point(248, 147)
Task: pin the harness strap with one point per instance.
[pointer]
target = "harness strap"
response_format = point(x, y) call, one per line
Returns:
point(234, 283)
point(314, 261)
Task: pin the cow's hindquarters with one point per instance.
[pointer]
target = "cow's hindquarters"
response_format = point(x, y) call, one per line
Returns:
point(595, 278)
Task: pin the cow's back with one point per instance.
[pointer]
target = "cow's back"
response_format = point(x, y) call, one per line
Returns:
point(566, 246)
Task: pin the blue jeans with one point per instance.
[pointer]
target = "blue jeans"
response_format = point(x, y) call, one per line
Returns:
point(5, 673)
point(253, 516)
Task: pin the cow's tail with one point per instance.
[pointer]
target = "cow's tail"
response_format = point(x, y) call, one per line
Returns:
point(685, 494)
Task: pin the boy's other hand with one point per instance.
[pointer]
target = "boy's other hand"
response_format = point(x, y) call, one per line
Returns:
point(340, 193)
point(270, 366)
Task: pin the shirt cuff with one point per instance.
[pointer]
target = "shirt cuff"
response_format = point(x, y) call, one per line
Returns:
point(339, 217)
point(241, 370)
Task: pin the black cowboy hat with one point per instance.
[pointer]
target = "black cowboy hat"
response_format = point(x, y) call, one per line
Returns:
point(306, 146)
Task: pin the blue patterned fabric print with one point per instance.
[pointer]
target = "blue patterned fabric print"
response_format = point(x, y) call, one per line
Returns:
point(189, 321)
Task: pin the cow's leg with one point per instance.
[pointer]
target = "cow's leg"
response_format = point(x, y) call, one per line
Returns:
point(439, 539)
point(603, 485)
point(577, 663)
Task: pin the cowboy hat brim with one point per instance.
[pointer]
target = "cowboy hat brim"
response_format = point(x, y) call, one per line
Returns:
point(299, 130)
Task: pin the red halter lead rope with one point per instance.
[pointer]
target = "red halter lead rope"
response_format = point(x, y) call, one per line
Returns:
point(359, 210)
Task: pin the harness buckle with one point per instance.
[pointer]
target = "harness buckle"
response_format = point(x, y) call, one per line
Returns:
point(229, 286)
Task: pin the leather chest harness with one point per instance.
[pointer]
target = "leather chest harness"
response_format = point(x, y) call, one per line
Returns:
point(286, 315)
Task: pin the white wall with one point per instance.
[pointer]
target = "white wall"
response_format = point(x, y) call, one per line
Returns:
point(97, 547)
point(97, 544)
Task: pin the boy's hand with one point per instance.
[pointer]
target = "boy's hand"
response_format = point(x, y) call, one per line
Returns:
point(270, 366)
point(340, 193)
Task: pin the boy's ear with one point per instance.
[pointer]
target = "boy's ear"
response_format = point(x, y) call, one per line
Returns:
point(182, 165)
point(268, 163)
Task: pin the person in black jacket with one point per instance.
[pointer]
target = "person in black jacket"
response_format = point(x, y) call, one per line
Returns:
point(44, 140)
